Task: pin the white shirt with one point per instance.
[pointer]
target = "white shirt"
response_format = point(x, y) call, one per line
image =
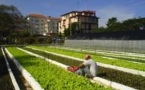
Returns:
point(92, 66)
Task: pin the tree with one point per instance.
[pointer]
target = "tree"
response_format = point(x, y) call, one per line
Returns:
point(11, 18)
point(11, 22)
point(127, 25)
point(72, 29)
point(100, 29)
point(134, 24)
point(111, 22)
point(114, 25)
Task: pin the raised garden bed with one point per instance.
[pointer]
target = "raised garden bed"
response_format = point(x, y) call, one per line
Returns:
point(52, 77)
point(110, 74)
point(98, 58)
point(20, 81)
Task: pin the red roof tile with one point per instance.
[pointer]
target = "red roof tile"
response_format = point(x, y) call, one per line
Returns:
point(37, 15)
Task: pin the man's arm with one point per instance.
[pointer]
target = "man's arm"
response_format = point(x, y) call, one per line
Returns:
point(80, 66)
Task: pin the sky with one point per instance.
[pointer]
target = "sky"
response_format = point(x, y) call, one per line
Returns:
point(105, 9)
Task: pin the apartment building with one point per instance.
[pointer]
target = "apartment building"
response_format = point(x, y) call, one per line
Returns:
point(86, 21)
point(38, 24)
point(53, 25)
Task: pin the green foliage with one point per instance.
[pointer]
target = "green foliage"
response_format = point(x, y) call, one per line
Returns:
point(110, 74)
point(52, 77)
point(134, 24)
point(97, 58)
point(60, 35)
point(66, 61)
point(131, 24)
point(100, 29)
point(114, 25)
point(111, 21)
point(30, 40)
point(72, 29)
point(12, 24)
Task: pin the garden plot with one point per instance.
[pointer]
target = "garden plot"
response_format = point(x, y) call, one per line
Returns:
point(131, 80)
point(97, 58)
point(112, 54)
point(51, 76)
point(124, 55)
point(103, 51)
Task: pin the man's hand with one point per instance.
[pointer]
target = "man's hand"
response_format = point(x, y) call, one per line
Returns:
point(72, 69)
point(75, 68)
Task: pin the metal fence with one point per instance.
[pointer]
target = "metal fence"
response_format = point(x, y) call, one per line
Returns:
point(137, 46)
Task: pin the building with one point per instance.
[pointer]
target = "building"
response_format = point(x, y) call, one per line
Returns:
point(38, 24)
point(52, 25)
point(86, 21)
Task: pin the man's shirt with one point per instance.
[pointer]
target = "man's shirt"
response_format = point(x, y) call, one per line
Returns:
point(92, 66)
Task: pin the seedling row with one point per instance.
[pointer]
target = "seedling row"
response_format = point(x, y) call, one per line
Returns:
point(96, 57)
point(51, 76)
point(110, 74)
point(109, 53)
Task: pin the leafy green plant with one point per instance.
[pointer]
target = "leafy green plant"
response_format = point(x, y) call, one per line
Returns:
point(50, 76)
point(128, 79)
point(96, 57)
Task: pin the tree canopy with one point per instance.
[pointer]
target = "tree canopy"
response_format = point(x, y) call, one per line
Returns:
point(113, 25)
point(10, 20)
point(72, 29)
point(12, 24)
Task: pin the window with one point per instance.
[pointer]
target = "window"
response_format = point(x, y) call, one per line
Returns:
point(36, 20)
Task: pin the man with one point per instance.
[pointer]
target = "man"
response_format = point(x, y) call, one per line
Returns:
point(88, 68)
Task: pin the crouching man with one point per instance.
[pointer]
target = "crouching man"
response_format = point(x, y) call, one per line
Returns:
point(88, 68)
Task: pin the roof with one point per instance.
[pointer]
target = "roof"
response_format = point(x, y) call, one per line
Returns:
point(53, 18)
point(37, 15)
point(85, 11)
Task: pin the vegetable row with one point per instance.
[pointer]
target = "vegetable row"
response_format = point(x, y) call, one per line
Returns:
point(96, 57)
point(110, 74)
point(50, 76)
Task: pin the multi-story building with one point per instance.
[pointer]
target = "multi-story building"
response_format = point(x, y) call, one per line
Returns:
point(38, 24)
point(86, 21)
point(52, 25)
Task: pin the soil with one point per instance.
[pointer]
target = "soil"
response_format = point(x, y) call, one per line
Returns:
point(5, 80)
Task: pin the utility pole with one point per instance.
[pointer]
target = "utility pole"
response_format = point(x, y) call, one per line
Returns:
point(70, 26)
point(77, 5)
point(70, 30)
point(86, 5)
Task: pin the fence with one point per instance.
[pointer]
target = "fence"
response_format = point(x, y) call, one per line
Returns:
point(137, 46)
